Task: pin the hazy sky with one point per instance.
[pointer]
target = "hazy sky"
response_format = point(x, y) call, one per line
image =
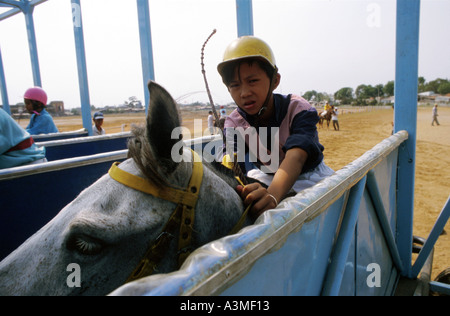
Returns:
point(319, 44)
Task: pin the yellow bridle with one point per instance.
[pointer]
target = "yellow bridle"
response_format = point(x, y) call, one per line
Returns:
point(183, 216)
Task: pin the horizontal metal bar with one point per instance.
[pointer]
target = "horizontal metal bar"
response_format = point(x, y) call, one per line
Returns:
point(13, 173)
point(82, 140)
point(9, 14)
point(440, 287)
point(17, 8)
point(12, 3)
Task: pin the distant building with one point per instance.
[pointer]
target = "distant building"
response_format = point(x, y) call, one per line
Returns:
point(56, 108)
point(389, 100)
point(442, 98)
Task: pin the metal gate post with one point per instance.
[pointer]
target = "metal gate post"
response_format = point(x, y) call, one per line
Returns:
point(145, 33)
point(408, 19)
point(244, 10)
point(82, 68)
point(3, 90)
point(28, 12)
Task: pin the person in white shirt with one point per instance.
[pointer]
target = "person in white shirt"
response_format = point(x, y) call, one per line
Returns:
point(334, 118)
point(211, 122)
point(97, 129)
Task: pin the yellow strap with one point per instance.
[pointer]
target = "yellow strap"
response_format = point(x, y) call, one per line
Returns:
point(187, 197)
point(227, 162)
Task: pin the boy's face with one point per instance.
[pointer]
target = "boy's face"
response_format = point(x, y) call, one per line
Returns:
point(98, 123)
point(249, 87)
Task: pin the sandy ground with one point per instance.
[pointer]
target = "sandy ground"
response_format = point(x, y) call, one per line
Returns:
point(359, 133)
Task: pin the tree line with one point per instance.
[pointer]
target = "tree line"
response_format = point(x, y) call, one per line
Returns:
point(372, 95)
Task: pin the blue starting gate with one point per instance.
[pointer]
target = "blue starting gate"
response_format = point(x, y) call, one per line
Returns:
point(351, 234)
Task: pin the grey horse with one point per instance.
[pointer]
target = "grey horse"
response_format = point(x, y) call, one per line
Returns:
point(96, 242)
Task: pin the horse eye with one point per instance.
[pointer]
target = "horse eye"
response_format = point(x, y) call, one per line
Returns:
point(85, 245)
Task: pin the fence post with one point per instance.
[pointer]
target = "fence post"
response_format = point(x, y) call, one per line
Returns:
point(3, 89)
point(145, 33)
point(408, 19)
point(244, 10)
point(82, 67)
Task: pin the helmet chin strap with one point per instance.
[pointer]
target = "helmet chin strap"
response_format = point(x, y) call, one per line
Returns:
point(263, 109)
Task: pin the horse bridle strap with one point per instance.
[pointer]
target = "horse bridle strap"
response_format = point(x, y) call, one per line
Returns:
point(183, 216)
point(186, 197)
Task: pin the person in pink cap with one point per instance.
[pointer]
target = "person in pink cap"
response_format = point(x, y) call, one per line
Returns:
point(41, 122)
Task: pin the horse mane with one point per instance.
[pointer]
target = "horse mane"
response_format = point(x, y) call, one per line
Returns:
point(140, 151)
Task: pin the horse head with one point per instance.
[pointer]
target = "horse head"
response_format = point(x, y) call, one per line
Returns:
point(98, 241)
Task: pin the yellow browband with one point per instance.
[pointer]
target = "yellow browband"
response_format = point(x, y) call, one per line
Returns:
point(186, 197)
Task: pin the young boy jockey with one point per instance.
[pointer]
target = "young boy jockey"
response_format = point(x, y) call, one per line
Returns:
point(250, 73)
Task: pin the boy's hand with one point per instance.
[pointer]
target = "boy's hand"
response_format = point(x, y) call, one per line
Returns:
point(258, 195)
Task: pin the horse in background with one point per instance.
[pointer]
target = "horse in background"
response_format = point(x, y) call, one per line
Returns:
point(106, 231)
point(325, 116)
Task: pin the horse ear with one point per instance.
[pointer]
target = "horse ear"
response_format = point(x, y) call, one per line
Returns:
point(162, 119)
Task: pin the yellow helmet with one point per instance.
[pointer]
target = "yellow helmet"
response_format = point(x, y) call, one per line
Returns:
point(247, 47)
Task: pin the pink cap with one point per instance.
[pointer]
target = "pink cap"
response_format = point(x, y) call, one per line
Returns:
point(37, 94)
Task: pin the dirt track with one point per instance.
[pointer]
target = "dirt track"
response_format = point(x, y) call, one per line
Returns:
point(359, 133)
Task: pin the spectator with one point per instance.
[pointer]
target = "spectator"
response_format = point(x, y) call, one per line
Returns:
point(98, 122)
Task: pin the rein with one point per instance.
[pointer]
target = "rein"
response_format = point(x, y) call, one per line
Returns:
point(182, 218)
